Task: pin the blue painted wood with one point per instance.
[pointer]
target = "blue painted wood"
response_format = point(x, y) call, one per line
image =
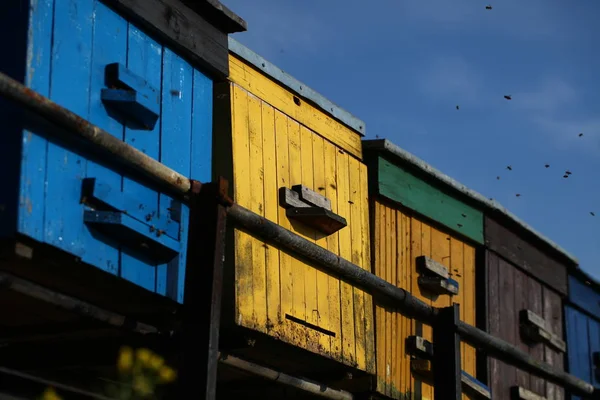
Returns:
point(19, 23)
point(584, 296)
point(133, 233)
point(69, 87)
point(482, 390)
point(131, 96)
point(62, 51)
point(594, 343)
point(144, 58)
point(101, 196)
point(109, 46)
point(174, 146)
point(578, 344)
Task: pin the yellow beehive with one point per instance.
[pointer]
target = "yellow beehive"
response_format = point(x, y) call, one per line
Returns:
point(280, 139)
point(412, 218)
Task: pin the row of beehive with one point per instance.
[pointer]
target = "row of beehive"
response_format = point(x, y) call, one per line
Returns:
point(285, 149)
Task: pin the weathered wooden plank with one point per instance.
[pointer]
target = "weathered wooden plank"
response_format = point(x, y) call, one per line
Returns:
point(181, 29)
point(310, 273)
point(553, 317)
point(509, 320)
point(271, 206)
point(109, 45)
point(594, 346)
point(415, 193)
point(356, 211)
point(70, 63)
point(366, 259)
point(520, 393)
point(521, 253)
point(310, 196)
point(255, 175)
point(145, 59)
point(290, 198)
point(303, 112)
point(283, 179)
point(579, 344)
point(243, 242)
point(520, 295)
point(333, 245)
point(345, 238)
point(176, 133)
point(534, 301)
point(299, 309)
point(493, 321)
point(536, 329)
point(322, 283)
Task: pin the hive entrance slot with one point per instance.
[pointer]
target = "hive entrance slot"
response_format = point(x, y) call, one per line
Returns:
point(309, 325)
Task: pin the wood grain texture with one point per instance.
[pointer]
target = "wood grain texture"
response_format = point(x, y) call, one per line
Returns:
point(277, 293)
point(70, 43)
point(510, 289)
point(412, 192)
point(182, 29)
point(521, 253)
point(399, 239)
point(303, 112)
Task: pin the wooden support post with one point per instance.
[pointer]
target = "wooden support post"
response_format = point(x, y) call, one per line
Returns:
point(446, 355)
point(199, 351)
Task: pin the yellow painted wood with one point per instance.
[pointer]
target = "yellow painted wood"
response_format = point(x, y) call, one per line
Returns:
point(271, 92)
point(399, 239)
point(283, 180)
point(269, 150)
point(271, 212)
point(345, 238)
point(256, 175)
point(323, 317)
point(366, 260)
point(330, 156)
point(243, 242)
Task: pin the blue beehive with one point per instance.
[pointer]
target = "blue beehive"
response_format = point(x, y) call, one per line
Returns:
point(117, 68)
point(582, 320)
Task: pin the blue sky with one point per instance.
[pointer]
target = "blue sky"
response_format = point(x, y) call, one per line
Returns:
point(402, 66)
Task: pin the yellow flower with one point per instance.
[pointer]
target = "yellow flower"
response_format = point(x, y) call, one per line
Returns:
point(125, 361)
point(167, 374)
point(156, 362)
point(144, 356)
point(50, 394)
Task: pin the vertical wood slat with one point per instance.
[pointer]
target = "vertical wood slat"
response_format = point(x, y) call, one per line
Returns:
point(399, 239)
point(299, 156)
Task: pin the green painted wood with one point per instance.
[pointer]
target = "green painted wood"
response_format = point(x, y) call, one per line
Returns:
point(412, 192)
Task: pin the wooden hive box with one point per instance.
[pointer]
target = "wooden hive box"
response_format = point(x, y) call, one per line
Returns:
point(417, 221)
point(582, 327)
point(526, 282)
point(296, 159)
point(141, 73)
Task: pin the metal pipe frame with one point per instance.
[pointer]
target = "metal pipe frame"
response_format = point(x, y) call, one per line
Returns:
point(256, 224)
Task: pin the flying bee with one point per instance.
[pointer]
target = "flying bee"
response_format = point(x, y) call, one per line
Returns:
point(508, 97)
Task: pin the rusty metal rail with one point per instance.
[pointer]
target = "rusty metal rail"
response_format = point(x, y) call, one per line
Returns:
point(80, 129)
point(352, 273)
point(401, 299)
